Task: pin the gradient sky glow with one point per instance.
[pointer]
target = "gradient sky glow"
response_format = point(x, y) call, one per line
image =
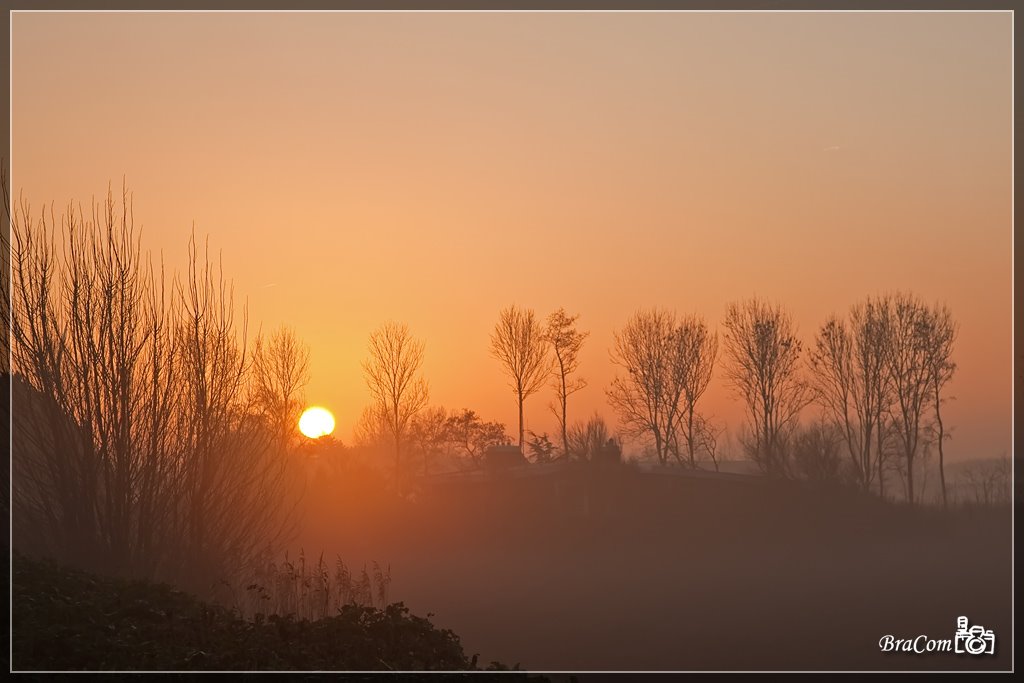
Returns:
point(432, 168)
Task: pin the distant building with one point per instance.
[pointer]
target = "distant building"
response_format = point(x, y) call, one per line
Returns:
point(497, 458)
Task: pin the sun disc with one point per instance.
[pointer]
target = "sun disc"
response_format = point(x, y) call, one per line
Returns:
point(316, 422)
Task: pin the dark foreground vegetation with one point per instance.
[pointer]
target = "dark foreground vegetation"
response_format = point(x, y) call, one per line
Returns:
point(65, 619)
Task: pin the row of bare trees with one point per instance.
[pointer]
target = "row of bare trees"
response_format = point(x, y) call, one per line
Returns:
point(532, 353)
point(399, 414)
point(150, 432)
point(879, 376)
point(668, 362)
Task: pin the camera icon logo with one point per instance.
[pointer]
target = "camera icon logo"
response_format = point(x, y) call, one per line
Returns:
point(973, 640)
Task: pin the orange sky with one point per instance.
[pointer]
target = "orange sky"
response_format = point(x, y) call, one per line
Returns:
point(433, 168)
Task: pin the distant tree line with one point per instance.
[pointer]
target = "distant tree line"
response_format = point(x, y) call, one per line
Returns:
point(877, 378)
point(153, 434)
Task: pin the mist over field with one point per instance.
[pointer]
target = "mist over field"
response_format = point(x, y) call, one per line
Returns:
point(581, 568)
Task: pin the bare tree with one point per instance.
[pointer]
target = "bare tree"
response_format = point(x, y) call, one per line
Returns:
point(697, 348)
point(708, 439)
point(907, 361)
point(392, 374)
point(817, 455)
point(80, 339)
point(940, 335)
point(236, 477)
point(566, 342)
point(518, 341)
point(986, 482)
point(6, 389)
point(280, 373)
point(764, 371)
point(648, 398)
point(5, 279)
point(429, 434)
point(371, 431)
point(587, 439)
point(851, 383)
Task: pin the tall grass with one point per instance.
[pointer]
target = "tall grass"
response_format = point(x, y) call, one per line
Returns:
point(308, 590)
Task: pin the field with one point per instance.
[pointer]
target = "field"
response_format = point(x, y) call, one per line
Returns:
point(675, 573)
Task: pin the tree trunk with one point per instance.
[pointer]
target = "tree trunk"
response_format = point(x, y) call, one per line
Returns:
point(689, 438)
point(398, 463)
point(942, 468)
point(910, 480)
point(565, 431)
point(881, 463)
point(521, 421)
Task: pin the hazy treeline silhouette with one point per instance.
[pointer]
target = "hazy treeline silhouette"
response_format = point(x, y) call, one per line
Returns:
point(876, 379)
point(152, 435)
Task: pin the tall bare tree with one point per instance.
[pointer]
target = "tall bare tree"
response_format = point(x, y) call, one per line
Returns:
point(566, 342)
point(518, 342)
point(851, 383)
point(764, 371)
point(5, 282)
point(370, 431)
point(697, 348)
point(393, 375)
point(6, 389)
point(907, 360)
point(940, 336)
point(235, 479)
point(280, 373)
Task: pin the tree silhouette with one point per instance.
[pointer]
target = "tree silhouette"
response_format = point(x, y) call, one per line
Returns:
point(392, 374)
point(697, 350)
point(941, 332)
point(764, 355)
point(653, 348)
point(541, 448)
point(908, 352)
point(566, 342)
point(467, 431)
point(518, 342)
point(851, 382)
point(587, 439)
point(429, 433)
point(280, 372)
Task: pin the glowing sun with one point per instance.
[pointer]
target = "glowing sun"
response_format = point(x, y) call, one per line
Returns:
point(316, 422)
